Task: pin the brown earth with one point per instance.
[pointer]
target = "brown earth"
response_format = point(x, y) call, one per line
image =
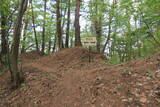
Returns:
point(31, 56)
point(67, 79)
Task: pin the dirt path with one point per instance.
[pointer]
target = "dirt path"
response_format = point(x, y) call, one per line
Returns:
point(66, 79)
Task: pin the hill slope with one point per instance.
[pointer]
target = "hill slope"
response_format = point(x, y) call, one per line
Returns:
point(67, 79)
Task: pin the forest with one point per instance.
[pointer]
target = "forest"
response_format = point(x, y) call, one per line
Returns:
point(44, 60)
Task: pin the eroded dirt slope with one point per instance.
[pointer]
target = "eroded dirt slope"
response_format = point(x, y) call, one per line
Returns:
point(67, 79)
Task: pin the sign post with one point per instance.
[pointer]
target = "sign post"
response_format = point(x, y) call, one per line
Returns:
point(89, 54)
point(88, 42)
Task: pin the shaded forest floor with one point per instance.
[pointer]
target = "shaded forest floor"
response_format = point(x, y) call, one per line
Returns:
point(67, 79)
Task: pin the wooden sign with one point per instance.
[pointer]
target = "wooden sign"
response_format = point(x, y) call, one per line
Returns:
point(89, 41)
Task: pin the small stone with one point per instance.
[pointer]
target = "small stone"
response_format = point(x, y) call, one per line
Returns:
point(124, 100)
point(102, 105)
point(148, 78)
point(87, 102)
point(130, 99)
point(139, 84)
point(158, 75)
point(143, 100)
point(93, 100)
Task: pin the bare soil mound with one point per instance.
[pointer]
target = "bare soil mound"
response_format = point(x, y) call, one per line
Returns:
point(67, 79)
point(70, 58)
point(30, 56)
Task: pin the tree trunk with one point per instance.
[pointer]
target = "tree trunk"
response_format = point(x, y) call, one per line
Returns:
point(98, 27)
point(77, 26)
point(98, 35)
point(63, 23)
point(114, 3)
point(63, 20)
point(49, 45)
point(44, 24)
point(109, 34)
point(59, 30)
point(150, 31)
point(15, 46)
point(54, 45)
point(98, 30)
point(68, 25)
point(3, 34)
point(63, 17)
point(34, 27)
point(24, 35)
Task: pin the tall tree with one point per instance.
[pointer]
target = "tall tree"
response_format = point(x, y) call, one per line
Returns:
point(68, 25)
point(44, 24)
point(34, 27)
point(24, 34)
point(113, 6)
point(77, 26)
point(15, 74)
point(4, 11)
point(98, 24)
point(58, 25)
point(109, 34)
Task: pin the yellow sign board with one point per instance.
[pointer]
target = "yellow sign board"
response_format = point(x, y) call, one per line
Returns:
point(89, 41)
